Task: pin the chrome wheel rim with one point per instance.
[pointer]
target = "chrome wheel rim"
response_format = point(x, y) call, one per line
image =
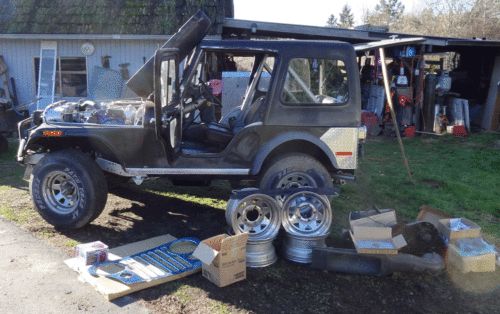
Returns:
point(258, 215)
point(299, 249)
point(294, 180)
point(307, 214)
point(260, 253)
point(233, 203)
point(60, 192)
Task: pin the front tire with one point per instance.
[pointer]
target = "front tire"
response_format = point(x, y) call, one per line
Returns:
point(68, 189)
point(295, 170)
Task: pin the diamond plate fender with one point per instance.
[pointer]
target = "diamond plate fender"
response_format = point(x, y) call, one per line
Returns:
point(343, 143)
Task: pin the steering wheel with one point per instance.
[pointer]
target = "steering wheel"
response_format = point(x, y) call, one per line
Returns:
point(207, 93)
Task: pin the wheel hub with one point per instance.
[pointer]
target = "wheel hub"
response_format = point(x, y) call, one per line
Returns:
point(257, 214)
point(307, 214)
point(306, 211)
point(60, 192)
point(294, 180)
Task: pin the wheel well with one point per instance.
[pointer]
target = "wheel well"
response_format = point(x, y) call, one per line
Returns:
point(82, 144)
point(300, 146)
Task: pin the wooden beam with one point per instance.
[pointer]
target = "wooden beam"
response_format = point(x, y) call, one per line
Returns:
point(393, 114)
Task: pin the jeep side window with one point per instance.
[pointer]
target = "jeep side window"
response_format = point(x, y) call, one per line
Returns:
point(315, 81)
point(265, 77)
point(167, 81)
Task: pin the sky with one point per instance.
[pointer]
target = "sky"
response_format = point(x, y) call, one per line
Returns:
point(306, 12)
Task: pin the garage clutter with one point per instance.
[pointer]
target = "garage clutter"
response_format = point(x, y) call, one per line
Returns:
point(432, 92)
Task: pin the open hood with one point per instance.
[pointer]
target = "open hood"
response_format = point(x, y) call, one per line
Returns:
point(186, 38)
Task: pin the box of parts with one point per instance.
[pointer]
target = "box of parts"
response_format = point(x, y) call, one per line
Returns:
point(372, 234)
point(458, 228)
point(223, 258)
point(472, 255)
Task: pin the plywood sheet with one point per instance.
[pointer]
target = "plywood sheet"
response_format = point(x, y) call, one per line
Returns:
point(112, 289)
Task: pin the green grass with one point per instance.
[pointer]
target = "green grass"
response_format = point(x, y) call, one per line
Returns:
point(11, 173)
point(18, 216)
point(459, 176)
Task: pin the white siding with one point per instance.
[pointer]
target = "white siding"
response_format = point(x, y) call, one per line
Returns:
point(20, 53)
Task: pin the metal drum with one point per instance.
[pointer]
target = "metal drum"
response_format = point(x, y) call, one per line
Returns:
point(256, 214)
point(261, 253)
point(299, 248)
point(307, 214)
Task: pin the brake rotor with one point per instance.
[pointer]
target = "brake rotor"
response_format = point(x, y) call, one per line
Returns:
point(307, 214)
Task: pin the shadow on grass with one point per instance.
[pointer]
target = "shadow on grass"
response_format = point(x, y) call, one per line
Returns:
point(150, 215)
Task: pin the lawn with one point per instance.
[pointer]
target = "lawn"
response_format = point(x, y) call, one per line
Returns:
point(458, 176)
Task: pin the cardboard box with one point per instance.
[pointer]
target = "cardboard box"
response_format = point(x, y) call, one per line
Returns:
point(473, 230)
point(91, 253)
point(223, 258)
point(431, 215)
point(386, 218)
point(479, 263)
point(373, 234)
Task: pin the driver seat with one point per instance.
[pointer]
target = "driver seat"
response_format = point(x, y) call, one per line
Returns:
point(221, 134)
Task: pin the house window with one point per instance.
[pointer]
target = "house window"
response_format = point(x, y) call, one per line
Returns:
point(71, 76)
point(315, 81)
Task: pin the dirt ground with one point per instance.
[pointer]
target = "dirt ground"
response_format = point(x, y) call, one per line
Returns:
point(137, 213)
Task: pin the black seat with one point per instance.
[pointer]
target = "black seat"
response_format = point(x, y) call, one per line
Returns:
point(221, 134)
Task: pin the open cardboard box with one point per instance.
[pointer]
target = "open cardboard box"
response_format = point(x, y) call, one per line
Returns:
point(474, 230)
point(373, 234)
point(223, 258)
point(478, 263)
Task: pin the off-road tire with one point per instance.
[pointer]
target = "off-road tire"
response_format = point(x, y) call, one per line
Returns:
point(86, 178)
point(4, 144)
point(281, 166)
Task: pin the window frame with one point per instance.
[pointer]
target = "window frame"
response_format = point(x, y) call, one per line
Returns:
point(313, 104)
point(58, 90)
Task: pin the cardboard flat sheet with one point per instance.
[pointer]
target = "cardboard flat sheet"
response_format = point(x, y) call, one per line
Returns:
point(112, 289)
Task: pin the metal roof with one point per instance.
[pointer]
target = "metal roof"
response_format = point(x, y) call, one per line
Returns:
point(255, 28)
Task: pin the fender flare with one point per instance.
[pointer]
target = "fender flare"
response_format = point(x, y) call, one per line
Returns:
point(283, 138)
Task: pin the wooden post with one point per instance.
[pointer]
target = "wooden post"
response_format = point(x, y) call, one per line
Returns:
point(393, 115)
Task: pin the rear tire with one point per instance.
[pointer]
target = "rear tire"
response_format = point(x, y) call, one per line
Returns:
point(68, 189)
point(295, 170)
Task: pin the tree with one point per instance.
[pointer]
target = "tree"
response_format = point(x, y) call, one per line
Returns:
point(346, 17)
point(453, 18)
point(332, 21)
point(386, 12)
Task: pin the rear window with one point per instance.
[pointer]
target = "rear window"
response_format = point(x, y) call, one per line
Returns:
point(316, 82)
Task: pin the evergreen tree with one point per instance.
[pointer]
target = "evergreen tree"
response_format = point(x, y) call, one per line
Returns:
point(389, 11)
point(332, 21)
point(346, 17)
